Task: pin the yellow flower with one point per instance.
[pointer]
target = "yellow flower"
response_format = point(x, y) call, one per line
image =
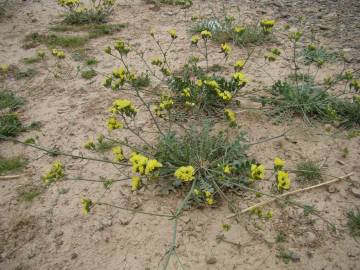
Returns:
point(270, 57)
point(165, 71)
point(240, 78)
point(257, 171)
point(123, 106)
point(212, 84)
point(135, 183)
point(199, 83)
point(225, 48)
point(355, 84)
point(196, 192)
point(283, 180)
point(239, 29)
point(166, 103)
point(207, 193)
point(118, 153)
point(279, 163)
point(138, 163)
point(56, 172)
point(121, 47)
point(230, 116)
point(226, 95)
point(157, 61)
point(205, 34)
point(4, 68)
point(195, 39)
point(185, 173)
point(186, 92)
point(41, 53)
point(210, 201)
point(89, 145)
point(189, 104)
point(58, 53)
point(267, 25)
point(172, 33)
point(239, 65)
point(87, 204)
point(227, 169)
point(151, 166)
point(113, 123)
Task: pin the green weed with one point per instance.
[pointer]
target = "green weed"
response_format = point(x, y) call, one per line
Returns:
point(354, 222)
point(35, 39)
point(308, 171)
point(88, 74)
point(11, 164)
point(9, 100)
point(10, 125)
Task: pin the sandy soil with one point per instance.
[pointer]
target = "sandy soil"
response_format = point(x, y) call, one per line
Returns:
point(51, 232)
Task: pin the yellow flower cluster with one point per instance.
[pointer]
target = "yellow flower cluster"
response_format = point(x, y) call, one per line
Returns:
point(283, 180)
point(239, 29)
point(121, 47)
point(209, 198)
point(90, 145)
point(4, 68)
point(123, 106)
point(186, 92)
point(69, 3)
point(205, 34)
point(189, 104)
point(56, 172)
point(261, 214)
point(224, 95)
point(185, 173)
point(279, 163)
point(230, 116)
point(118, 153)
point(257, 172)
point(157, 61)
point(355, 84)
point(227, 169)
point(58, 53)
point(86, 204)
point(113, 123)
point(240, 78)
point(172, 33)
point(239, 65)
point(143, 165)
point(195, 39)
point(267, 25)
point(166, 103)
point(225, 48)
point(135, 183)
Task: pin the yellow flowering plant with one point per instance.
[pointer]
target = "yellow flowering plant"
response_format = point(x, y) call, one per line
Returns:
point(85, 12)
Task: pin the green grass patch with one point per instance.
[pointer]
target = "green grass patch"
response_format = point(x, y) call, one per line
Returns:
point(32, 60)
point(9, 100)
point(354, 222)
point(314, 55)
point(88, 74)
point(10, 125)
point(94, 30)
point(25, 74)
point(29, 196)
point(91, 61)
point(310, 101)
point(35, 39)
point(11, 164)
point(308, 171)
